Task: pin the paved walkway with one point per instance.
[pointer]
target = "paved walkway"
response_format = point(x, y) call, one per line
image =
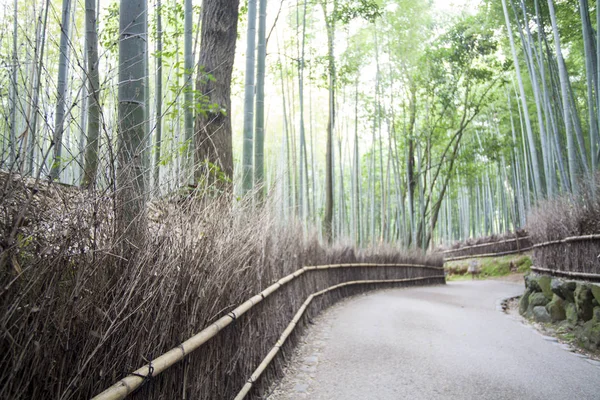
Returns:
point(442, 342)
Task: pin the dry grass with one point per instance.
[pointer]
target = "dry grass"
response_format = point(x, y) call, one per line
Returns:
point(563, 217)
point(76, 315)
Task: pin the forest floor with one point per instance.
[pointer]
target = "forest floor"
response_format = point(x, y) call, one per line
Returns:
point(491, 267)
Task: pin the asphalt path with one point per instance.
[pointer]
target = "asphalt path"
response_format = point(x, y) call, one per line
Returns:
point(440, 342)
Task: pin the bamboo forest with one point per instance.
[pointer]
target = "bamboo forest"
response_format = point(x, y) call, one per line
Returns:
point(164, 161)
point(415, 123)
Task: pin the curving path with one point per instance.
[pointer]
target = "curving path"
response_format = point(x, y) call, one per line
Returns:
point(441, 342)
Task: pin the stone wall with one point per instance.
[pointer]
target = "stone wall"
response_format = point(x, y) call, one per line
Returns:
point(572, 304)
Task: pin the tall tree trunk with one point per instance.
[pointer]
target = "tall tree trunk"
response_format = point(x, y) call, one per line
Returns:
point(259, 145)
point(12, 141)
point(312, 154)
point(356, 175)
point(248, 147)
point(410, 165)
point(536, 92)
point(564, 87)
point(93, 122)
point(147, 104)
point(590, 72)
point(158, 84)
point(131, 179)
point(287, 169)
point(597, 154)
point(36, 92)
point(217, 51)
point(26, 138)
point(303, 186)
point(328, 219)
point(83, 118)
point(532, 147)
point(61, 90)
point(188, 116)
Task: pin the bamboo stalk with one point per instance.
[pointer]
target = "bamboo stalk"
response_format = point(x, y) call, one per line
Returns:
point(289, 329)
point(137, 378)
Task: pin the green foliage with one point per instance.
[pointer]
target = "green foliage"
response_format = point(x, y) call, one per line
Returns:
point(351, 9)
point(108, 36)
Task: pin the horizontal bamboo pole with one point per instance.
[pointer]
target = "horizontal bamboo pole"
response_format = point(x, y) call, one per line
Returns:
point(290, 328)
point(520, 239)
point(572, 274)
point(503, 253)
point(367, 265)
point(137, 378)
point(568, 240)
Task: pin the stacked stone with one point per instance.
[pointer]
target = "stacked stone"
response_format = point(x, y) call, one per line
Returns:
point(571, 304)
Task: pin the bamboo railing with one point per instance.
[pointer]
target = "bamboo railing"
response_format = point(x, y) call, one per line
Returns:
point(537, 248)
point(502, 253)
point(568, 274)
point(518, 241)
point(570, 239)
point(160, 364)
point(571, 257)
point(488, 244)
point(479, 250)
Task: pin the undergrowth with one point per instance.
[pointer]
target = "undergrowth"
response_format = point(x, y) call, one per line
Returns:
point(489, 266)
point(76, 314)
point(569, 215)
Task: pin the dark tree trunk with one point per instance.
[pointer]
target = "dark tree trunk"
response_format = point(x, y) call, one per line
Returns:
point(131, 174)
point(410, 162)
point(93, 127)
point(328, 218)
point(212, 131)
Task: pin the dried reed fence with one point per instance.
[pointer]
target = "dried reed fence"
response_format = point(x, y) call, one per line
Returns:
point(491, 247)
point(566, 233)
point(76, 315)
point(424, 275)
point(574, 257)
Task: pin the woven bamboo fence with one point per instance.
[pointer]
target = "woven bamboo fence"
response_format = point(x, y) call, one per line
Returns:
point(491, 249)
point(576, 257)
point(270, 316)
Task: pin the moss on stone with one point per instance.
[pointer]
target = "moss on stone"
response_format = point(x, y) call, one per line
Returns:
point(596, 292)
point(540, 314)
point(536, 299)
point(590, 335)
point(583, 302)
point(545, 281)
point(556, 309)
point(571, 313)
point(565, 289)
point(524, 302)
